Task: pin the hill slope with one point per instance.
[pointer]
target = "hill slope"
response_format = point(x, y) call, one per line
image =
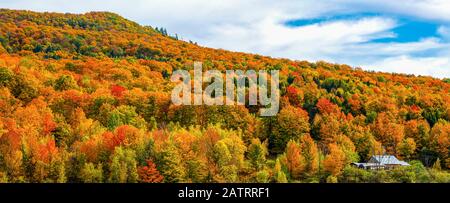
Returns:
point(86, 98)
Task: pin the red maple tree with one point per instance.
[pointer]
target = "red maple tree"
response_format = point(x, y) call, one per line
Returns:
point(117, 90)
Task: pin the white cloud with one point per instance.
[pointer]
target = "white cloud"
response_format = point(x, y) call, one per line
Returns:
point(425, 9)
point(257, 26)
point(395, 48)
point(271, 37)
point(434, 66)
point(344, 41)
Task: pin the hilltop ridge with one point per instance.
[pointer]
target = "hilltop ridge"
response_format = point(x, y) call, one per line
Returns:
point(86, 98)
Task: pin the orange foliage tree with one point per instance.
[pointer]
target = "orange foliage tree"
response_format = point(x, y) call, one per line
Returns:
point(149, 173)
point(334, 162)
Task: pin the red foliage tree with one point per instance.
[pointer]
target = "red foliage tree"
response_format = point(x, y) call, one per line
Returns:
point(109, 141)
point(47, 151)
point(149, 173)
point(49, 124)
point(326, 107)
point(294, 95)
point(123, 135)
point(117, 90)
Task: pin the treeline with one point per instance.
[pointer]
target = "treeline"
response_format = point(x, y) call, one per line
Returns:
point(86, 98)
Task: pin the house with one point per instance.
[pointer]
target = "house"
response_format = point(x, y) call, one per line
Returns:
point(381, 162)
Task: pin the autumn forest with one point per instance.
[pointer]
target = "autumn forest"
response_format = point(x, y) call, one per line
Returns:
point(86, 98)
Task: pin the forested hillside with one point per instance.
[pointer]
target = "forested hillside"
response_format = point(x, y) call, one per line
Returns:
point(86, 98)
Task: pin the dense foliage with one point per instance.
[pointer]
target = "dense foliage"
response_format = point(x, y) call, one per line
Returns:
point(86, 98)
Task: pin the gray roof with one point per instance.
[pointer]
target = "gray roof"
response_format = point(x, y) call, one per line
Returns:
point(388, 159)
point(365, 164)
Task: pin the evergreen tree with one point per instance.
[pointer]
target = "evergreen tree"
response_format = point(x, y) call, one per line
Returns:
point(257, 154)
point(279, 175)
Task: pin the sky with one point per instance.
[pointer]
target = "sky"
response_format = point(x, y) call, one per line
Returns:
point(408, 36)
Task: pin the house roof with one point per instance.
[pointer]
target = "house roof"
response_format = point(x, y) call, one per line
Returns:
point(388, 159)
point(366, 164)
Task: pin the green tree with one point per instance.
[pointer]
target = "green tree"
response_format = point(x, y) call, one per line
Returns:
point(5, 76)
point(262, 176)
point(257, 154)
point(352, 174)
point(65, 82)
point(223, 157)
point(57, 171)
point(123, 166)
point(229, 157)
point(122, 115)
point(279, 175)
point(406, 148)
point(169, 163)
point(332, 179)
point(91, 174)
point(22, 89)
point(403, 175)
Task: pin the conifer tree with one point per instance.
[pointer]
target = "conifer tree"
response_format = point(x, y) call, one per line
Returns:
point(257, 154)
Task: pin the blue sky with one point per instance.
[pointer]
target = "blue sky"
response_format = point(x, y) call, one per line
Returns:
point(408, 36)
point(406, 29)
